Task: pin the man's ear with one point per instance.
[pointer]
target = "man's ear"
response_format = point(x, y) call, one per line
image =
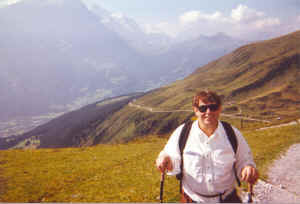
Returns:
point(221, 108)
point(195, 109)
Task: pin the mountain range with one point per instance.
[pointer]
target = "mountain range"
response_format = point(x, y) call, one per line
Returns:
point(259, 80)
point(60, 55)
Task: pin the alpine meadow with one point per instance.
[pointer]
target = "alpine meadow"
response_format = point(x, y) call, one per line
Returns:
point(113, 94)
point(112, 159)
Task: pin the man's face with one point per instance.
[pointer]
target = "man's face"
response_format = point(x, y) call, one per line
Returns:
point(208, 113)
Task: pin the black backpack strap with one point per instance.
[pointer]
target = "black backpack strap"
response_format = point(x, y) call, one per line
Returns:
point(234, 143)
point(182, 142)
point(230, 135)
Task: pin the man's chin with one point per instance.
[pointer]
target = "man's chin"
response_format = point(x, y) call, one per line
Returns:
point(210, 121)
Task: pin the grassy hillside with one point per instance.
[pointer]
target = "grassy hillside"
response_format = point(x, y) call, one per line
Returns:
point(260, 80)
point(110, 173)
point(70, 129)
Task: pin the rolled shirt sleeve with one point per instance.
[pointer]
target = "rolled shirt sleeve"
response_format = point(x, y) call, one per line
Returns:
point(243, 155)
point(172, 150)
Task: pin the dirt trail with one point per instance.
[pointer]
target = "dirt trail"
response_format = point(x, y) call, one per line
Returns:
point(283, 185)
point(281, 125)
point(153, 110)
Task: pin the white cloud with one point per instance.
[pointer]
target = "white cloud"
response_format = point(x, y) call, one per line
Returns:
point(241, 22)
point(244, 14)
point(190, 17)
point(162, 27)
point(195, 16)
point(251, 23)
point(117, 15)
point(193, 23)
point(4, 3)
point(268, 22)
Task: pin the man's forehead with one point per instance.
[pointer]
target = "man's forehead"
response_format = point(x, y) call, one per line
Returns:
point(203, 101)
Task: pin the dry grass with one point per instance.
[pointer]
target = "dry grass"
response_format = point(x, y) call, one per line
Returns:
point(111, 173)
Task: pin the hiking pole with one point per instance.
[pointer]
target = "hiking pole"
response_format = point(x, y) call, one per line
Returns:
point(250, 192)
point(162, 179)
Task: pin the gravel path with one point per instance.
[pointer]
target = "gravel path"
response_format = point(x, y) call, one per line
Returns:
point(283, 185)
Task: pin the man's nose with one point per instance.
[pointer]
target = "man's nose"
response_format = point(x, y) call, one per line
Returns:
point(208, 110)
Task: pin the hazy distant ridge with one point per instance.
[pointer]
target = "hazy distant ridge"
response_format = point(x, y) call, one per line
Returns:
point(259, 80)
point(85, 55)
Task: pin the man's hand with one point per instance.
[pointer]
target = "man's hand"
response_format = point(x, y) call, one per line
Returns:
point(163, 163)
point(249, 174)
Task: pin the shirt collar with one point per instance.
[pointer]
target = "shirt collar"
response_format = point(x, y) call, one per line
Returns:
point(216, 132)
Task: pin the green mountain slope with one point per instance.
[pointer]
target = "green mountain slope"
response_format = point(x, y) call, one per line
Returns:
point(71, 129)
point(260, 79)
point(264, 74)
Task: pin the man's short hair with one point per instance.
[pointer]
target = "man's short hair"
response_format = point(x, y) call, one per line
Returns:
point(206, 97)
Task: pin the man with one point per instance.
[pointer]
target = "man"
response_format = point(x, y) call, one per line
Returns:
point(208, 157)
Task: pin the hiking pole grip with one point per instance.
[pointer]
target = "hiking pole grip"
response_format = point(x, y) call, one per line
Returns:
point(162, 180)
point(250, 193)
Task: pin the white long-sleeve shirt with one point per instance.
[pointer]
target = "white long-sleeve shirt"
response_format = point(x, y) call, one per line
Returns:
point(208, 161)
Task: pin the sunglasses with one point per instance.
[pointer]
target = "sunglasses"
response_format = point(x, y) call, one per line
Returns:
point(211, 107)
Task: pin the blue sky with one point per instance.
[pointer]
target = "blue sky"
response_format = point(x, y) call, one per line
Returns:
point(148, 9)
point(242, 18)
point(250, 19)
